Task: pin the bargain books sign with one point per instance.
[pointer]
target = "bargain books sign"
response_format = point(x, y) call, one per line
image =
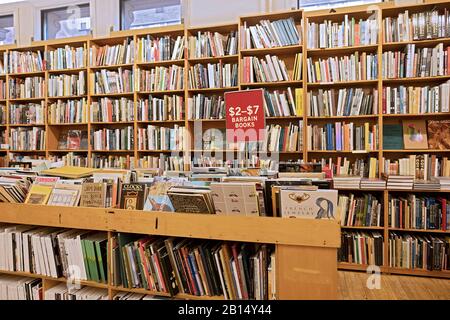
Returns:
point(245, 116)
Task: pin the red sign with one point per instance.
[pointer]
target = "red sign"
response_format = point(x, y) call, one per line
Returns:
point(245, 115)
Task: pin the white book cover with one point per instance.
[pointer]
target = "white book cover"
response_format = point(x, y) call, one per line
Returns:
point(304, 204)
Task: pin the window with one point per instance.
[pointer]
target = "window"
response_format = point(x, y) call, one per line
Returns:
point(324, 4)
point(136, 14)
point(66, 22)
point(7, 35)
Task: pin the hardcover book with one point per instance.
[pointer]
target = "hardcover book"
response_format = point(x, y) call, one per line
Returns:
point(186, 200)
point(439, 134)
point(93, 195)
point(235, 199)
point(393, 137)
point(415, 134)
point(38, 194)
point(132, 196)
point(65, 195)
point(320, 204)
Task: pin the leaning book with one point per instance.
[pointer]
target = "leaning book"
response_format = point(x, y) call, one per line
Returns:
point(304, 204)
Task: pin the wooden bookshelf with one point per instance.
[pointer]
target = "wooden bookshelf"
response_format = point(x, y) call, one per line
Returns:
point(191, 150)
point(313, 243)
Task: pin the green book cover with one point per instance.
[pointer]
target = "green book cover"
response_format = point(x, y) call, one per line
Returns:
point(92, 260)
point(393, 137)
point(85, 258)
point(100, 260)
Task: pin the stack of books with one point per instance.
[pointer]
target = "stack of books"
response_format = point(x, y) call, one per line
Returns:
point(346, 182)
point(373, 184)
point(431, 185)
point(400, 182)
point(445, 183)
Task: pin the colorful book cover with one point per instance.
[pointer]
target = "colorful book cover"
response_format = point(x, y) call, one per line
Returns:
point(415, 134)
point(304, 204)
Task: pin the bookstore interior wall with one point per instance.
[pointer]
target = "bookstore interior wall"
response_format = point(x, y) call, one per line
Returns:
point(357, 100)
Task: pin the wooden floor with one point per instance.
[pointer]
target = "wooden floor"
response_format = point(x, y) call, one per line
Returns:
point(352, 286)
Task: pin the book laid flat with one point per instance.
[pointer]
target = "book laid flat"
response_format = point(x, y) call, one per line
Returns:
point(38, 194)
point(320, 204)
point(393, 137)
point(439, 134)
point(415, 134)
point(69, 172)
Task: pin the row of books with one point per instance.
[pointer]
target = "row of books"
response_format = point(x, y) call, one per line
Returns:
point(349, 32)
point(110, 161)
point(416, 100)
point(270, 69)
point(111, 82)
point(408, 26)
point(73, 140)
point(31, 113)
point(67, 85)
point(71, 159)
point(209, 44)
point(416, 134)
point(63, 292)
point(113, 139)
point(24, 61)
point(284, 103)
point(362, 211)
point(341, 136)
point(270, 34)
point(283, 138)
point(24, 88)
point(422, 252)
point(54, 252)
point(160, 79)
point(167, 108)
point(201, 106)
point(213, 75)
point(422, 213)
point(342, 166)
point(112, 55)
point(112, 110)
point(27, 139)
point(162, 163)
point(362, 248)
point(419, 166)
point(161, 138)
point(153, 49)
point(416, 62)
point(201, 268)
point(344, 102)
point(356, 67)
point(68, 111)
point(19, 288)
point(66, 58)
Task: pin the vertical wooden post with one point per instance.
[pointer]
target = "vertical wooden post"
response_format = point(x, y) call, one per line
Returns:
point(306, 273)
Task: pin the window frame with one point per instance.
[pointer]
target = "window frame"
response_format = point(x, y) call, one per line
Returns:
point(339, 4)
point(44, 11)
point(14, 25)
point(122, 13)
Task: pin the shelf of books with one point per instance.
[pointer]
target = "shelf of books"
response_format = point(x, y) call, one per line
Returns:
point(362, 93)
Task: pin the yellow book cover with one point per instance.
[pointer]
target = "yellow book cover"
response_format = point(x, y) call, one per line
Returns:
point(299, 101)
point(38, 194)
point(317, 66)
point(70, 172)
